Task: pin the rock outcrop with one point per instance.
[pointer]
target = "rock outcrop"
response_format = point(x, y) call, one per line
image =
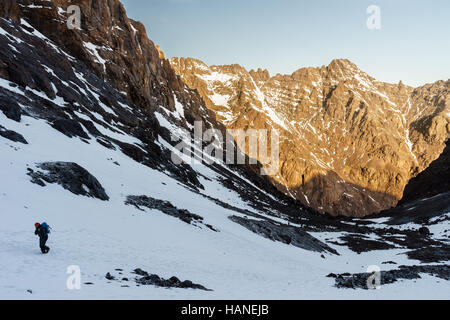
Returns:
point(70, 176)
point(167, 208)
point(283, 233)
point(86, 82)
point(173, 282)
point(112, 46)
point(433, 181)
point(426, 199)
point(361, 280)
point(12, 135)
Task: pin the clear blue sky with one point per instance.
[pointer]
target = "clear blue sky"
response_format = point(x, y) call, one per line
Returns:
point(413, 44)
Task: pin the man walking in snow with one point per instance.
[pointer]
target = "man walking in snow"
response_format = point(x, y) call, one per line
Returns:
point(42, 230)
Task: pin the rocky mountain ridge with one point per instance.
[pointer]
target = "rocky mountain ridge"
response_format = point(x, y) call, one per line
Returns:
point(349, 143)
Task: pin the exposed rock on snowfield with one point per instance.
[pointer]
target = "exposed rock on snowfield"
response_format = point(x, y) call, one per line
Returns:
point(349, 143)
point(70, 128)
point(284, 233)
point(12, 111)
point(173, 282)
point(12, 135)
point(167, 208)
point(359, 280)
point(438, 253)
point(71, 177)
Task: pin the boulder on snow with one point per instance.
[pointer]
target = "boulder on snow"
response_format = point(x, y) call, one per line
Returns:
point(109, 276)
point(438, 252)
point(71, 177)
point(173, 282)
point(283, 233)
point(12, 111)
point(424, 231)
point(70, 128)
point(359, 280)
point(167, 208)
point(12, 135)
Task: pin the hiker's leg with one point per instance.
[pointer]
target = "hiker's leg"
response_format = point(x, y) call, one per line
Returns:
point(42, 242)
point(47, 249)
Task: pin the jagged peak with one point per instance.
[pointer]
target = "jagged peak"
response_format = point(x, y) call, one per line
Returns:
point(346, 70)
point(233, 68)
point(188, 63)
point(342, 63)
point(260, 74)
point(303, 73)
point(186, 59)
point(162, 56)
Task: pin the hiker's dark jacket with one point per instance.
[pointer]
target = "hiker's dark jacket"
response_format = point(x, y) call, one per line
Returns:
point(40, 231)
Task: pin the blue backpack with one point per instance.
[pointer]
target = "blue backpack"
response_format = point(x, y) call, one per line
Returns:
point(46, 227)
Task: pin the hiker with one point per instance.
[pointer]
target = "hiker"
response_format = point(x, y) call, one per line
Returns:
point(42, 230)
